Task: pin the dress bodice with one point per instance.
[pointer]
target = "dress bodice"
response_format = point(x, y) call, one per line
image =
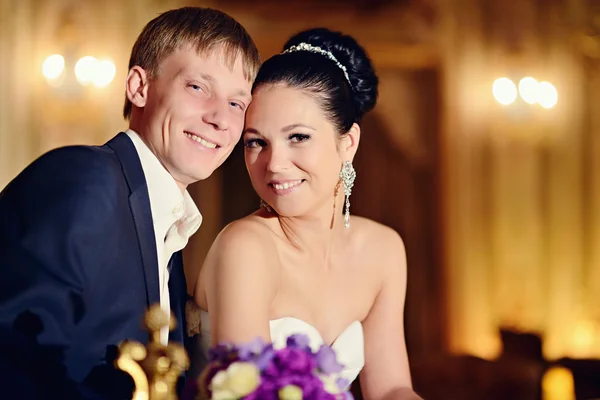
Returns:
point(348, 346)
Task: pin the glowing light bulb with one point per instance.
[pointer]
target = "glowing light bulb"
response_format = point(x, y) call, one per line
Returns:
point(547, 95)
point(558, 384)
point(85, 70)
point(104, 74)
point(528, 89)
point(53, 66)
point(504, 90)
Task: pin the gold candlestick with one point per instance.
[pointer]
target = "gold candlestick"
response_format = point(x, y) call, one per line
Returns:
point(155, 369)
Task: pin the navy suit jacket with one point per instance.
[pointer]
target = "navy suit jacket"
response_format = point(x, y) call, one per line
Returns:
point(78, 269)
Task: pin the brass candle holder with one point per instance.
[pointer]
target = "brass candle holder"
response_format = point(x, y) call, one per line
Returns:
point(156, 368)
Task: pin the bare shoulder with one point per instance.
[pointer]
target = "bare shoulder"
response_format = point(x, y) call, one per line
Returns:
point(242, 250)
point(383, 244)
point(245, 243)
point(380, 238)
point(245, 231)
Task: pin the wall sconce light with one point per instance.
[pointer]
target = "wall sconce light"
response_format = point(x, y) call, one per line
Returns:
point(53, 67)
point(558, 384)
point(504, 90)
point(88, 70)
point(529, 89)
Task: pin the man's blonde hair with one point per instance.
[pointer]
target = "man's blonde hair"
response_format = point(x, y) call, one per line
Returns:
point(205, 29)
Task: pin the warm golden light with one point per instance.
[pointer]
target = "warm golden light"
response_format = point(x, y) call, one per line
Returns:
point(558, 384)
point(90, 70)
point(504, 90)
point(528, 89)
point(53, 66)
point(584, 339)
point(104, 74)
point(85, 70)
point(547, 95)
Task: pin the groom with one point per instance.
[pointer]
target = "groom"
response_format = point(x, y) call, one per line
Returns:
point(92, 236)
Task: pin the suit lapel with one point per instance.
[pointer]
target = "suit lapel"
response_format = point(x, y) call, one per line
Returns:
point(139, 202)
point(177, 293)
point(142, 215)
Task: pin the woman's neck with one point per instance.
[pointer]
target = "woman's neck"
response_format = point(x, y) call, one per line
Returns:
point(317, 234)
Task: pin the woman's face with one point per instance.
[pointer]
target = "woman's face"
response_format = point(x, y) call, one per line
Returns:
point(291, 150)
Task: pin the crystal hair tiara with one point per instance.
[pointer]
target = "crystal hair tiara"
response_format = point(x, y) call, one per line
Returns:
point(316, 49)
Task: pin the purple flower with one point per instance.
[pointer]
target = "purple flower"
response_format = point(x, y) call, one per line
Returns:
point(298, 341)
point(312, 387)
point(295, 364)
point(222, 352)
point(294, 361)
point(327, 360)
point(248, 351)
point(257, 352)
point(263, 360)
point(268, 390)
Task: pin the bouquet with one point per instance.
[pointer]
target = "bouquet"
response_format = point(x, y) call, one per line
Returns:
point(257, 371)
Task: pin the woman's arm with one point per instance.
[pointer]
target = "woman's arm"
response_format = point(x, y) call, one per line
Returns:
point(240, 284)
point(386, 375)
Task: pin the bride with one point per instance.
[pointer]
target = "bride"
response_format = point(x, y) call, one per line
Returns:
point(302, 264)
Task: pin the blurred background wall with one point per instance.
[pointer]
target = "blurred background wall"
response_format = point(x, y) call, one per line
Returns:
point(494, 185)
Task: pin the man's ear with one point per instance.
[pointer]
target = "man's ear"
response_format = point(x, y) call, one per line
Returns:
point(136, 86)
point(349, 143)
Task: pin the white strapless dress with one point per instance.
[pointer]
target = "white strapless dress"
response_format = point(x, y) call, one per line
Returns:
point(348, 346)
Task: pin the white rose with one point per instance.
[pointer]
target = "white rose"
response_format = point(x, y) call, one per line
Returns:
point(239, 380)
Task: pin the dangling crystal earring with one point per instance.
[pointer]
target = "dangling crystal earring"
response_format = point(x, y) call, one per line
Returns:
point(264, 205)
point(348, 175)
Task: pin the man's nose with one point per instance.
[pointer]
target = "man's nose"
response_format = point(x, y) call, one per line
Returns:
point(217, 114)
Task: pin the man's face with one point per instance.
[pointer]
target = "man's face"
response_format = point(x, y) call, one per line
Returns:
point(194, 112)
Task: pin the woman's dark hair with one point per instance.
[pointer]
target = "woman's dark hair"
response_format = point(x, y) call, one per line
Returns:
point(343, 102)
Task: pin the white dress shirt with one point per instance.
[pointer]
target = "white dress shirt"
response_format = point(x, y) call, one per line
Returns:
point(174, 215)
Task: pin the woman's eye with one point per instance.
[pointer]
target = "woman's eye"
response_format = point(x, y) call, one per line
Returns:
point(254, 143)
point(299, 137)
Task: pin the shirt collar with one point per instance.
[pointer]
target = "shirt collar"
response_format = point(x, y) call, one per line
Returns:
point(167, 202)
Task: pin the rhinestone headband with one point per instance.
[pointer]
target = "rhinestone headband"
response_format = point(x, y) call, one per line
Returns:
point(315, 49)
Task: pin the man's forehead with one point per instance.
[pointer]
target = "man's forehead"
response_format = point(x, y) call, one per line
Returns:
point(227, 55)
point(232, 57)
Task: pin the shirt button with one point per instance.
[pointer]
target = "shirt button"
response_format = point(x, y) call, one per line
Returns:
point(176, 210)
